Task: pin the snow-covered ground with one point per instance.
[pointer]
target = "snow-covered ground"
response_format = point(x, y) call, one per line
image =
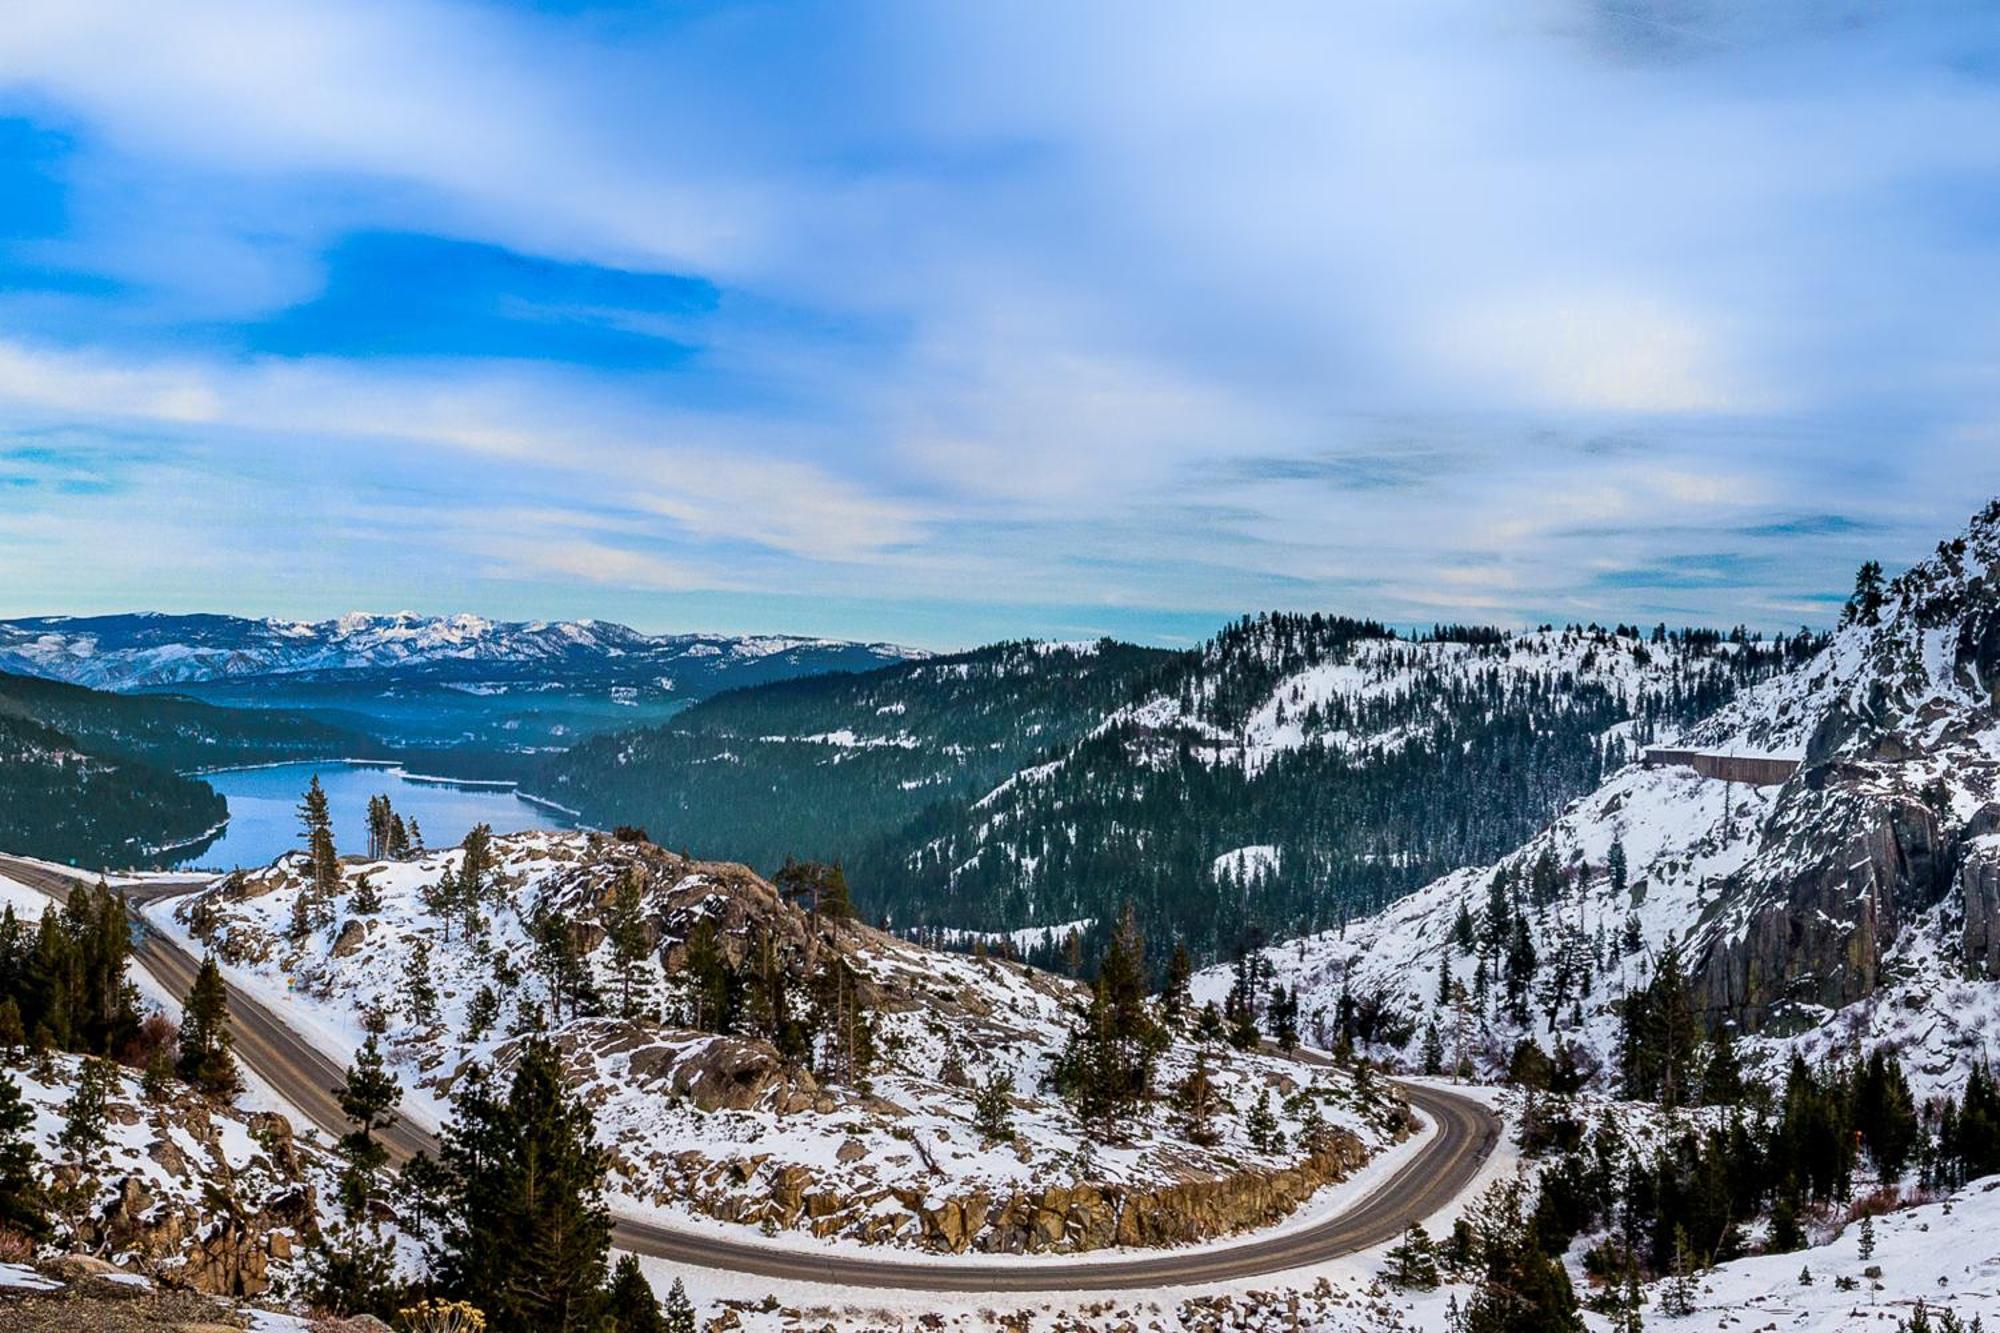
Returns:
point(706, 1127)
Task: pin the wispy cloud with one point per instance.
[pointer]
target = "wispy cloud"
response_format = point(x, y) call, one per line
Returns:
point(1575, 308)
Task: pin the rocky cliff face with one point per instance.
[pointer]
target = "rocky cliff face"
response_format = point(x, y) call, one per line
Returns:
point(195, 1196)
point(1898, 723)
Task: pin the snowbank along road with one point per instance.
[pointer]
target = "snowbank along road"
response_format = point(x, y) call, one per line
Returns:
point(305, 1078)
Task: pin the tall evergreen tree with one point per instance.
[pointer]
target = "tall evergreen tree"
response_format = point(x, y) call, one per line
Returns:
point(679, 1310)
point(204, 1058)
point(625, 926)
point(631, 1305)
point(526, 1231)
point(23, 1203)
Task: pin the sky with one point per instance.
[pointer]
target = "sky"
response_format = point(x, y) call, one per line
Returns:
point(941, 322)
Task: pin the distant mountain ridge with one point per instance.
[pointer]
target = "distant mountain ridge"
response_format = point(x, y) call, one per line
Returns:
point(484, 688)
point(150, 650)
point(1294, 771)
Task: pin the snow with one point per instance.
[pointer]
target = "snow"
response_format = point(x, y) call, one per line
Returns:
point(19, 1277)
point(26, 902)
point(911, 1131)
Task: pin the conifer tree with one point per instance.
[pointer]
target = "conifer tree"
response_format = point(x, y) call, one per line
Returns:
point(679, 1310)
point(1864, 604)
point(993, 1108)
point(708, 983)
point(368, 1096)
point(1106, 1069)
point(1196, 1101)
point(481, 1014)
point(631, 1304)
point(846, 1030)
point(1262, 1125)
point(526, 1230)
point(1413, 1260)
point(23, 1203)
point(204, 1058)
point(625, 926)
point(1433, 1048)
point(314, 906)
point(1175, 999)
point(82, 1139)
point(476, 863)
point(1677, 1298)
point(419, 991)
point(367, 899)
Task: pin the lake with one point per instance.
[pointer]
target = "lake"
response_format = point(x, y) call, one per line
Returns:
point(264, 816)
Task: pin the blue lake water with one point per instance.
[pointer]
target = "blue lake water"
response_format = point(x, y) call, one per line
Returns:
point(264, 810)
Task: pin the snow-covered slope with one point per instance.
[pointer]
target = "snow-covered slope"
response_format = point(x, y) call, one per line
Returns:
point(1383, 694)
point(182, 1189)
point(139, 651)
point(719, 1126)
point(1858, 901)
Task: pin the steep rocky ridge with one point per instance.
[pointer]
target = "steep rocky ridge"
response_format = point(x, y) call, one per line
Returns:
point(1855, 902)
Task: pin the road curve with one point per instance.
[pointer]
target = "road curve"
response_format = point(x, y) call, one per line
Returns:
point(304, 1077)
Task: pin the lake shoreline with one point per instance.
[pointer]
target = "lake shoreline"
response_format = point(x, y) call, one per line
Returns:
point(263, 799)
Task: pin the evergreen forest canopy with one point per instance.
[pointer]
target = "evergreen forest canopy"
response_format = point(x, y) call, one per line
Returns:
point(1142, 776)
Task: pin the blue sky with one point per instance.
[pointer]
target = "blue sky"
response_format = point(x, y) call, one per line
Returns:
point(941, 322)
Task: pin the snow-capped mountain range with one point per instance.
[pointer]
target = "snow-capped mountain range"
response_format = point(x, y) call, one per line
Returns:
point(149, 651)
point(1856, 902)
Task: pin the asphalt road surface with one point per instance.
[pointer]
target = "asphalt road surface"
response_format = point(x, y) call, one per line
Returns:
point(1438, 1173)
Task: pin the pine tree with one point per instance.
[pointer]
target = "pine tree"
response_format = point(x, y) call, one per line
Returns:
point(526, 1231)
point(1175, 999)
point(1284, 1013)
point(1433, 1048)
point(1196, 1101)
point(1262, 1126)
point(680, 1310)
point(993, 1108)
point(314, 906)
point(419, 991)
point(1865, 1242)
point(481, 1014)
point(1106, 1069)
point(1615, 866)
point(1864, 604)
point(368, 1096)
point(314, 813)
point(841, 1017)
point(204, 1058)
point(707, 981)
point(367, 899)
point(83, 1135)
point(23, 1203)
point(1677, 1298)
point(1413, 1261)
point(476, 863)
point(625, 926)
point(631, 1304)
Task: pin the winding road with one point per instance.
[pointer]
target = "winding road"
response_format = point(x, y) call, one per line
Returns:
point(304, 1077)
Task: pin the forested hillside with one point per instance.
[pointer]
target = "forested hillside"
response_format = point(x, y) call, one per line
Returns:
point(175, 733)
point(61, 802)
point(1295, 770)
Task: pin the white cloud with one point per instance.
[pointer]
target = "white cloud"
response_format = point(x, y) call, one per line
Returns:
point(1595, 352)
